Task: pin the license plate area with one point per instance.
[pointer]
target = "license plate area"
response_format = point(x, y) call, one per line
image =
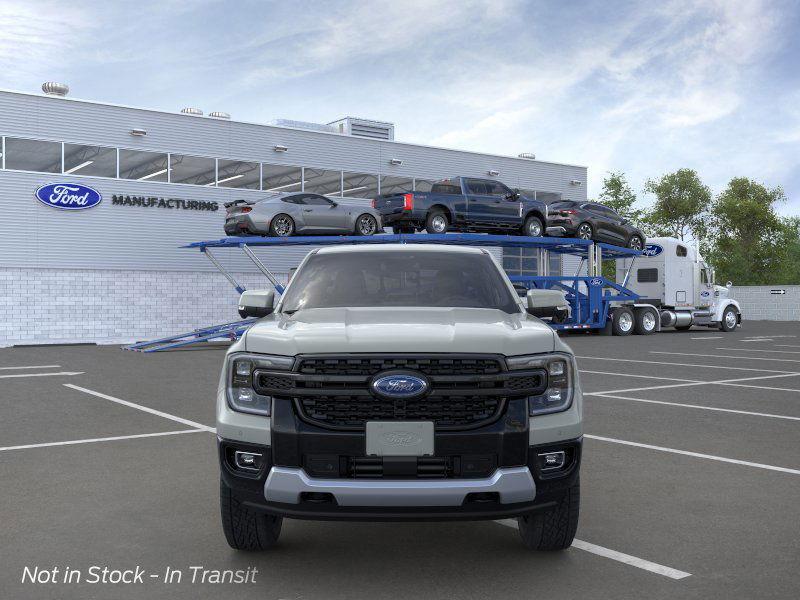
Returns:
point(399, 438)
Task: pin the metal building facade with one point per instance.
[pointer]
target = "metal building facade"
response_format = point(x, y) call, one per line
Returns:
point(35, 238)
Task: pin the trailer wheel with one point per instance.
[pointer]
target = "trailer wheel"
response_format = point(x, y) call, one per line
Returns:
point(729, 320)
point(622, 322)
point(645, 321)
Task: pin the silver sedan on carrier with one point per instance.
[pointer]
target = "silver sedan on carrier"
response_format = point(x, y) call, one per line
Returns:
point(286, 214)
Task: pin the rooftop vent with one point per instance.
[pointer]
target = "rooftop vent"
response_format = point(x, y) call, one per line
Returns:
point(219, 115)
point(303, 125)
point(192, 111)
point(51, 88)
point(527, 155)
point(377, 130)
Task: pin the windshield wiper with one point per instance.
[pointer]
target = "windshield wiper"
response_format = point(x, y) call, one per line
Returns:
point(290, 312)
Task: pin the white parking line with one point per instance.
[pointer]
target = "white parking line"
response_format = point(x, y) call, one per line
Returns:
point(792, 360)
point(146, 409)
point(787, 346)
point(31, 367)
point(627, 559)
point(708, 337)
point(756, 340)
point(639, 376)
point(94, 440)
point(693, 454)
point(18, 375)
point(717, 382)
point(759, 350)
point(681, 405)
point(655, 362)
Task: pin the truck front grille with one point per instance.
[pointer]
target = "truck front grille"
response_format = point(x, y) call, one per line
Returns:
point(466, 391)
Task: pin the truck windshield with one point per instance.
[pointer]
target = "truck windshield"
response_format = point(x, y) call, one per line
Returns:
point(403, 279)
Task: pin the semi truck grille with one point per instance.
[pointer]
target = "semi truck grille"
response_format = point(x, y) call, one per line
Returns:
point(466, 391)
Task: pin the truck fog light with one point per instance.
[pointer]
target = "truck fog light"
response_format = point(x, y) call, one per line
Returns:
point(552, 461)
point(249, 461)
point(245, 396)
point(554, 395)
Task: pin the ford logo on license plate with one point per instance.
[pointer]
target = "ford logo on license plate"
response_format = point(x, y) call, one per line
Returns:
point(68, 196)
point(399, 385)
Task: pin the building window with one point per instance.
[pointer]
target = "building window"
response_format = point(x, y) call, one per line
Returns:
point(143, 166)
point(280, 178)
point(359, 185)
point(423, 185)
point(237, 174)
point(525, 261)
point(321, 181)
point(33, 155)
point(396, 185)
point(96, 161)
point(194, 170)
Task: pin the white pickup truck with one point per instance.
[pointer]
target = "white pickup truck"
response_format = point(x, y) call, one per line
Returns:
point(399, 383)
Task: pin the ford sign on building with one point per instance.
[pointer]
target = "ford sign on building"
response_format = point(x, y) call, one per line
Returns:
point(67, 196)
point(98, 201)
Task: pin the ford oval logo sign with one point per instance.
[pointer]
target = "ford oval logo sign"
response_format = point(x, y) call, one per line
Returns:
point(652, 250)
point(68, 196)
point(595, 281)
point(399, 386)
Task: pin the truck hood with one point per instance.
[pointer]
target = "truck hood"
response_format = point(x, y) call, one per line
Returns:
point(387, 330)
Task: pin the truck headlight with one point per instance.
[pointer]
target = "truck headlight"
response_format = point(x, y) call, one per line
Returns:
point(239, 372)
point(560, 381)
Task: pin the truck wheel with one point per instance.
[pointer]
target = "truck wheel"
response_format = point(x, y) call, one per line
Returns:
point(366, 225)
point(436, 222)
point(645, 321)
point(729, 320)
point(554, 529)
point(622, 322)
point(533, 227)
point(245, 528)
point(281, 226)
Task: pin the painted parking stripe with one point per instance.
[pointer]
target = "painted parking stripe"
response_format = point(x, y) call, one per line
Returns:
point(62, 373)
point(95, 440)
point(31, 367)
point(708, 337)
point(792, 360)
point(698, 406)
point(640, 376)
point(733, 461)
point(759, 350)
point(627, 559)
point(674, 364)
point(146, 409)
point(717, 382)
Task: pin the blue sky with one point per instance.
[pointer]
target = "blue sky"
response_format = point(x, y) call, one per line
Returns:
point(641, 87)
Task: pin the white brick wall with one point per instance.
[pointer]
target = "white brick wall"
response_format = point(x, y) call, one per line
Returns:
point(48, 306)
point(759, 304)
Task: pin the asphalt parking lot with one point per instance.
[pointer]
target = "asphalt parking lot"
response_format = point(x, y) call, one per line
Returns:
point(690, 483)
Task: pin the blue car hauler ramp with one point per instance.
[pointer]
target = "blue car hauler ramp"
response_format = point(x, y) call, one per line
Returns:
point(590, 296)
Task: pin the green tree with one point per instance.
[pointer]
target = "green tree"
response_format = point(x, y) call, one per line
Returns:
point(750, 243)
point(681, 205)
point(618, 195)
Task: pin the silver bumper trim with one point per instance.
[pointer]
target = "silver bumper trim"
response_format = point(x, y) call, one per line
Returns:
point(512, 484)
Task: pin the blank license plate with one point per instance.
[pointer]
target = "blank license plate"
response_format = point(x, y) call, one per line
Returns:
point(400, 438)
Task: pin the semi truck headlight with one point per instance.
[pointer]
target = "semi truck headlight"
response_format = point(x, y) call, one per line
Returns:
point(239, 371)
point(560, 381)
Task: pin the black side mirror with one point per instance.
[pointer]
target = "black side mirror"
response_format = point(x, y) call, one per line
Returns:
point(334, 204)
point(256, 303)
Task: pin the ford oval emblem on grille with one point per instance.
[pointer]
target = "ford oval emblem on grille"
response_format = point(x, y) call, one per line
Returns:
point(399, 385)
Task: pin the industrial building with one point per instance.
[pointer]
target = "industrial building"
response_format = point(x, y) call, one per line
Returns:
point(116, 272)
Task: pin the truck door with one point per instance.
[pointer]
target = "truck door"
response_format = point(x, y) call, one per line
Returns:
point(488, 205)
point(478, 202)
point(705, 289)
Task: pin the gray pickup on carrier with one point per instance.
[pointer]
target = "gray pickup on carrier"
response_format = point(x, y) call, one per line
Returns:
point(399, 383)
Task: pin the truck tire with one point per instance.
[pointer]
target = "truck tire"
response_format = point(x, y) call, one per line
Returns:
point(437, 222)
point(644, 321)
point(729, 320)
point(622, 322)
point(245, 528)
point(554, 529)
point(533, 227)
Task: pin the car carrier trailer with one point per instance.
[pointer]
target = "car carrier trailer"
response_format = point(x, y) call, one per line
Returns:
point(595, 302)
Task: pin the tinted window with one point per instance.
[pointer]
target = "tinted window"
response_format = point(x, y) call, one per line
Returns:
point(647, 275)
point(280, 178)
point(294, 199)
point(681, 251)
point(321, 181)
point(238, 174)
point(90, 160)
point(144, 166)
point(396, 185)
point(317, 200)
point(558, 205)
point(495, 188)
point(360, 185)
point(425, 185)
point(404, 278)
point(33, 155)
point(446, 186)
point(196, 170)
point(476, 186)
